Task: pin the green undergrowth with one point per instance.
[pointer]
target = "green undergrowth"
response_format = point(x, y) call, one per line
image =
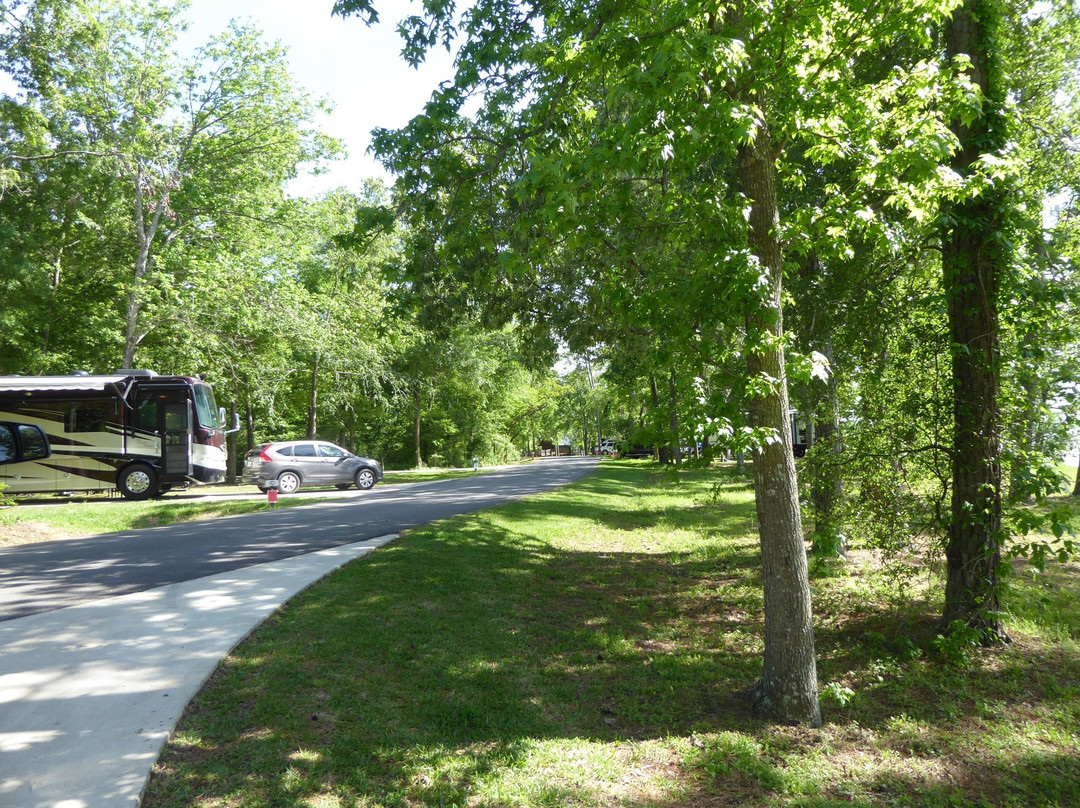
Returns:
point(593, 647)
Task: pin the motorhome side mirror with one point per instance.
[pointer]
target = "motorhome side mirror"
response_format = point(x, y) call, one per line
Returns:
point(236, 421)
point(222, 421)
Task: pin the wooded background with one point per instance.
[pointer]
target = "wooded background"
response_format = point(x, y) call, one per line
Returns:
point(716, 213)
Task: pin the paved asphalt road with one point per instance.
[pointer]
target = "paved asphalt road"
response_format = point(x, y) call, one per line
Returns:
point(54, 575)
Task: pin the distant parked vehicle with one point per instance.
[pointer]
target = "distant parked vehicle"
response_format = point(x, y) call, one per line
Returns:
point(635, 451)
point(297, 463)
point(606, 447)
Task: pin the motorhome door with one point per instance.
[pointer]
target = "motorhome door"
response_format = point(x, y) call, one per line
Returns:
point(177, 459)
point(166, 412)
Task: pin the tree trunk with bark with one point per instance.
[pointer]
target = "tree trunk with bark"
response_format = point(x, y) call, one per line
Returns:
point(660, 451)
point(313, 400)
point(146, 230)
point(232, 442)
point(249, 422)
point(973, 262)
point(673, 419)
point(418, 401)
point(788, 689)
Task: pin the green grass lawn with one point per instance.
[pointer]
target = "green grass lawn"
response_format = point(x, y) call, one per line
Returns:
point(593, 647)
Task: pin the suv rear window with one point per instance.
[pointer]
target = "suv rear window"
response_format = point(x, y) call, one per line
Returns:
point(304, 450)
point(285, 451)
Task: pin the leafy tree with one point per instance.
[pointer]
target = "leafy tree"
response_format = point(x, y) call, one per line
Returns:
point(189, 145)
point(587, 133)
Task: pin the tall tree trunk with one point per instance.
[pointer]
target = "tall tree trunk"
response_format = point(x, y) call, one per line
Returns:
point(973, 260)
point(788, 689)
point(145, 233)
point(131, 336)
point(313, 400)
point(673, 401)
point(350, 429)
point(57, 272)
point(660, 451)
point(249, 422)
point(417, 399)
point(1076, 486)
point(232, 440)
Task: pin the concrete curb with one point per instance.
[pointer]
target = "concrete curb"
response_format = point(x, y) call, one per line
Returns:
point(89, 694)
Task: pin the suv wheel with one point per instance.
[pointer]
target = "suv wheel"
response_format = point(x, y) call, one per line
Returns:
point(288, 482)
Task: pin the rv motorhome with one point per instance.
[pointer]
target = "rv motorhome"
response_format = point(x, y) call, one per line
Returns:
point(134, 431)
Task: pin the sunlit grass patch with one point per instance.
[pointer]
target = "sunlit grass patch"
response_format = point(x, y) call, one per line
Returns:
point(593, 647)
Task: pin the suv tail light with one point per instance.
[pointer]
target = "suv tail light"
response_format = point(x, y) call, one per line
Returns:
point(264, 457)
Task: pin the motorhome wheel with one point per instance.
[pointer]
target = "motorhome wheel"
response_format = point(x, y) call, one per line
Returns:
point(137, 481)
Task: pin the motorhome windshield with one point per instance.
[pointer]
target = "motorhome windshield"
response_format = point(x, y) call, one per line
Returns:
point(206, 407)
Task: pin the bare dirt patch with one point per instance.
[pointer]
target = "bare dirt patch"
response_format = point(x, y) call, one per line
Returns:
point(18, 533)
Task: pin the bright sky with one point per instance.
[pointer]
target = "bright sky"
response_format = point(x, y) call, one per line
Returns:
point(358, 68)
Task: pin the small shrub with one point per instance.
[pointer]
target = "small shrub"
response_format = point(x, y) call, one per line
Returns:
point(836, 692)
point(955, 645)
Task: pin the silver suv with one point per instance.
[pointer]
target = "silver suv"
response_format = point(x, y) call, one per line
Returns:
point(295, 463)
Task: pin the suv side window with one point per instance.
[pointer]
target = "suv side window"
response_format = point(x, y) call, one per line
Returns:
point(305, 450)
point(285, 451)
point(34, 444)
point(7, 444)
point(326, 450)
point(21, 442)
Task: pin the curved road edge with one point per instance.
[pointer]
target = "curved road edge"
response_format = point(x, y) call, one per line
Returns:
point(89, 694)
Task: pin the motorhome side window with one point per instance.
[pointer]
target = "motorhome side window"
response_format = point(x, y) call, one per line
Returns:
point(90, 416)
point(146, 415)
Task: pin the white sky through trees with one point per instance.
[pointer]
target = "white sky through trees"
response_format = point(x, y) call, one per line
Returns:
point(359, 69)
